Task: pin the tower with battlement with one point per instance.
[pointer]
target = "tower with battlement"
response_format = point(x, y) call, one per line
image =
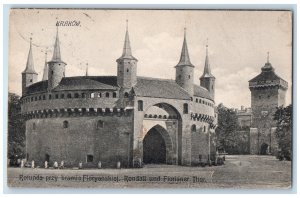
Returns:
point(267, 93)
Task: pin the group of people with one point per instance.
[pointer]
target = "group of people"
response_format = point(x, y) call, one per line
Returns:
point(23, 163)
point(46, 164)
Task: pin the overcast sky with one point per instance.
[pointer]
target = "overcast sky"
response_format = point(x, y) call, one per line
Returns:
point(238, 44)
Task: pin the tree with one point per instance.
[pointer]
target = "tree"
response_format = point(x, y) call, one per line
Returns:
point(228, 137)
point(16, 128)
point(283, 118)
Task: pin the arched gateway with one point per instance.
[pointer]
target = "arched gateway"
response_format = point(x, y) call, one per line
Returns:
point(162, 135)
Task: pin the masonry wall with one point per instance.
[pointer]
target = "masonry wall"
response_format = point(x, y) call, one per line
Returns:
point(199, 143)
point(189, 146)
point(108, 144)
point(263, 103)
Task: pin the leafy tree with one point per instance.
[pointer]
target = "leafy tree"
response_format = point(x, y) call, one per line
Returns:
point(16, 128)
point(228, 137)
point(283, 118)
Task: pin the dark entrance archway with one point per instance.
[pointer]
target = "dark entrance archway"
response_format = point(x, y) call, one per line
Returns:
point(264, 149)
point(154, 148)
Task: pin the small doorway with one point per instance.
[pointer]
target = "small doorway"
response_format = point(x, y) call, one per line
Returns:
point(154, 148)
point(264, 149)
point(47, 157)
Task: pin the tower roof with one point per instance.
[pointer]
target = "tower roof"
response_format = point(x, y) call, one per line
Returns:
point(207, 71)
point(184, 57)
point(29, 65)
point(268, 65)
point(127, 48)
point(56, 51)
point(267, 77)
point(45, 74)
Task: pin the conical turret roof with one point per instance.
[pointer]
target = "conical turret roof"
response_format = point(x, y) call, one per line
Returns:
point(30, 65)
point(184, 57)
point(127, 54)
point(207, 71)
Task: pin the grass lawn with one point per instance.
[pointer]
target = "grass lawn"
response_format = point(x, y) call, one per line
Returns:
point(241, 171)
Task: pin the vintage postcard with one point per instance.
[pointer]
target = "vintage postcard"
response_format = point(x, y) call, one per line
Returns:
point(104, 98)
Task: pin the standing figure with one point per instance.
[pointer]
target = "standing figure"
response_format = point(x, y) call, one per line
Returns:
point(55, 165)
point(62, 164)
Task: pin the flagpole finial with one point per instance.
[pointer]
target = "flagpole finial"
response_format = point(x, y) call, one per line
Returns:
point(206, 46)
point(268, 57)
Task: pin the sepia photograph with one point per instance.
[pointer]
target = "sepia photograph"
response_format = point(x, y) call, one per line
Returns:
point(150, 98)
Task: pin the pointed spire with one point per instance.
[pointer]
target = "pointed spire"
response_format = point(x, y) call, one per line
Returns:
point(56, 52)
point(87, 70)
point(45, 74)
point(207, 71)
point(127, 48)
point(268, 65)
point(184, 57)
point(29, 65)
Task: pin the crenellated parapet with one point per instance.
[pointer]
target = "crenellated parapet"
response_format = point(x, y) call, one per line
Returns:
point(76, 112)
point(202, 117)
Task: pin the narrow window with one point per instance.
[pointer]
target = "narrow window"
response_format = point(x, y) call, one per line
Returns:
point(92, 95)
point(76, 95)
point(193, 128)
point(35, 98)
point(189, 76)
point(99, 95)
point(204, 129)
point(40, 97)
point(89, 158)
point(56, 96)
point(50, 97)
point(30, 80)
point(52, 72)
point(66, 124)
point(44, 97)
point(140, 105)
point(62, 95)
point(107, 94)
point(33, 126)
point(197, 100)
point(127, 70)
point(185, 108)
point(126, 95)
point(83, 95)
point(191, 98)
point(100, 124)
point(114, 95)
point(69, 95)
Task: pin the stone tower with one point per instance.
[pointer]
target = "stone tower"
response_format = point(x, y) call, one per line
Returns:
point(185, 69)
point(29, 76)
point(56, 67)
point(207, 80)
point(127, 65)
point(267, 92)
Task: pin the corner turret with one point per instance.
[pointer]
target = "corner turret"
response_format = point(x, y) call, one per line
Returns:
point(185, 69)
point(56, 67)
point(127, 65)
point(207, 80)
